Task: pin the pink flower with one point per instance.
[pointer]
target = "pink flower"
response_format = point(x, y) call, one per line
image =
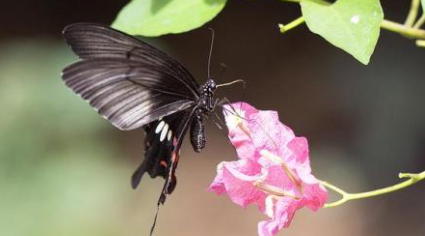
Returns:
point(273, 170)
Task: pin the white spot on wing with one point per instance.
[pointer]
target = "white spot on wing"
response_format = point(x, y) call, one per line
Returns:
point(159, 127)
point(355, 19)
point(170, 133)
point(164, 133)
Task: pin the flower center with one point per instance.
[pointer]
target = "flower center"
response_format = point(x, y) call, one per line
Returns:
point(273, 190)
point(289, 172)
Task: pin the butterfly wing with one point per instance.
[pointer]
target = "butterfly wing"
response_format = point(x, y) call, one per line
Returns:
point(133, 84)
point(90, 40)
point(127, 81)
point(162, 149)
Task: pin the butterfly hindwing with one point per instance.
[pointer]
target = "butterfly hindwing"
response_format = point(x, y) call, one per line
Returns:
point(162, 149)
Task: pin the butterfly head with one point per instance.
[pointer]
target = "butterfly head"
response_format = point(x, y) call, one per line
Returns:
point(211, 86)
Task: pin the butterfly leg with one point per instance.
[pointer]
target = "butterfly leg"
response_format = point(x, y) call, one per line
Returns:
point(216, 119)
point(226, 101)
point(234, 82)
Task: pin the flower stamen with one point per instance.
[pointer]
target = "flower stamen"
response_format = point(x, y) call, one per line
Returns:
point(276, 159)
point(274, 191)
point(243, 127)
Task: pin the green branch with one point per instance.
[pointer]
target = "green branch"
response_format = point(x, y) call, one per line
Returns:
point(413, 178)
point(386, 24)
point(403, 30)
point(420, 22)
point(283, 28)
point(420, 43)
point(413, 13)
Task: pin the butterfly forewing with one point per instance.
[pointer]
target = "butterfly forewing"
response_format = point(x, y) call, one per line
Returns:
point(127, 81)
point(90, 40)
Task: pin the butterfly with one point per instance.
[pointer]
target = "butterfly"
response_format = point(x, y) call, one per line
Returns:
point(133, 84)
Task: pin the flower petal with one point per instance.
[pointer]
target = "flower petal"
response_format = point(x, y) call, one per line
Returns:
point(273, 170)
point(284, 211)
point(237, 180)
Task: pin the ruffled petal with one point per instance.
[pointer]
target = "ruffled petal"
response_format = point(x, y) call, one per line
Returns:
point(273, 170)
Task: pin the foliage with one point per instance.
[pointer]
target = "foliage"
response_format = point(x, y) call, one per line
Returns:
point(158, 17)
point(352, 25)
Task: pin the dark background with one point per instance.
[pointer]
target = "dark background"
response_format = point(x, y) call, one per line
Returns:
point(66, 171)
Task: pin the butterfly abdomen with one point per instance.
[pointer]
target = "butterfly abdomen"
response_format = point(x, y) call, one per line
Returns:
point(197, 133)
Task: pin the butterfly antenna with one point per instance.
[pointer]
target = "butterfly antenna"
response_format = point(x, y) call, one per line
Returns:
point(233, 82)
point(211, 48)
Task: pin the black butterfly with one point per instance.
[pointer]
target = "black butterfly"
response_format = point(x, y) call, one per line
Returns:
point(132, 84)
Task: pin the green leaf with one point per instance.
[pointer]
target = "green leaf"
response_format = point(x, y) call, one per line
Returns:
point(352, 25)
point(423, 6)
point(158, 17)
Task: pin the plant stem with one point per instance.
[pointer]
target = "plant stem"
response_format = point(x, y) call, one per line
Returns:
point(420, 43)
point(283, 28)
point(403, 30)
point(413, 178)
point(385, 24)
point(413, 13)
point(420, 22)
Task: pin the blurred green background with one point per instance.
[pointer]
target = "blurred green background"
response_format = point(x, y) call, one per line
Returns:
point(66, 171)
